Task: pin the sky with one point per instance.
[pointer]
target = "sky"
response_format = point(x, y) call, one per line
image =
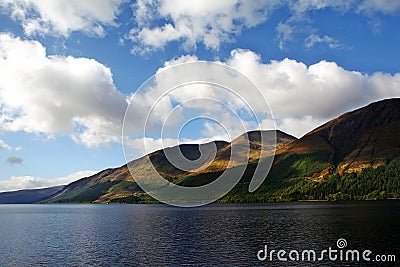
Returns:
point(69, 68)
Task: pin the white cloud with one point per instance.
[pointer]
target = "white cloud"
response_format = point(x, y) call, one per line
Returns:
point(30, 182)
point(57, 95)
point(4, 146)
point(62, 17)
point(177, 61)
point(193, 22)
point(301, 97)
point(300, 7)
point(382, 6)
point(193, 101)
point(314, 39)
point(299, 126)
point(284, 33)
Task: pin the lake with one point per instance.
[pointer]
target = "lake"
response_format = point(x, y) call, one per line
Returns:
point(212, 235)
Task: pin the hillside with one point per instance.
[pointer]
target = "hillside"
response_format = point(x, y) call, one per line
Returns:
point(113, 184)
point(355, 156)
point(367, 137)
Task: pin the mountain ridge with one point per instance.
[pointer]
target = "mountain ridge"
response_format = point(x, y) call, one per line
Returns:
point(27, 196)
point(352, 142)
point(106, 184)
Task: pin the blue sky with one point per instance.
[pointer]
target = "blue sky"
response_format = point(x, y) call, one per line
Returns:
point(67, 69)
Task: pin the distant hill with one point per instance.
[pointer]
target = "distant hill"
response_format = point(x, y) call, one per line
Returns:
point(355, 156)
point(28, 196)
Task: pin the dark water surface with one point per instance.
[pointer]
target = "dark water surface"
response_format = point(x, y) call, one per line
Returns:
point(213, 235)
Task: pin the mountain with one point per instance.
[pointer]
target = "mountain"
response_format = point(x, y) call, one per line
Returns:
point(366, 137)
point(27, 196)
point(116, 184)
point(355, 156)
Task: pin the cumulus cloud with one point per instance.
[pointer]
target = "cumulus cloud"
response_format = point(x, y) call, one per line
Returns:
point(169, 112)
point(15, 160)
point(57, 95)
point(302, 97)
point(62, 17)
point(193, 22)
point(30, 182)
point(4, 146)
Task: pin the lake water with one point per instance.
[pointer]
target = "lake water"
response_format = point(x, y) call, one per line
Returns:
point(213, 235)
